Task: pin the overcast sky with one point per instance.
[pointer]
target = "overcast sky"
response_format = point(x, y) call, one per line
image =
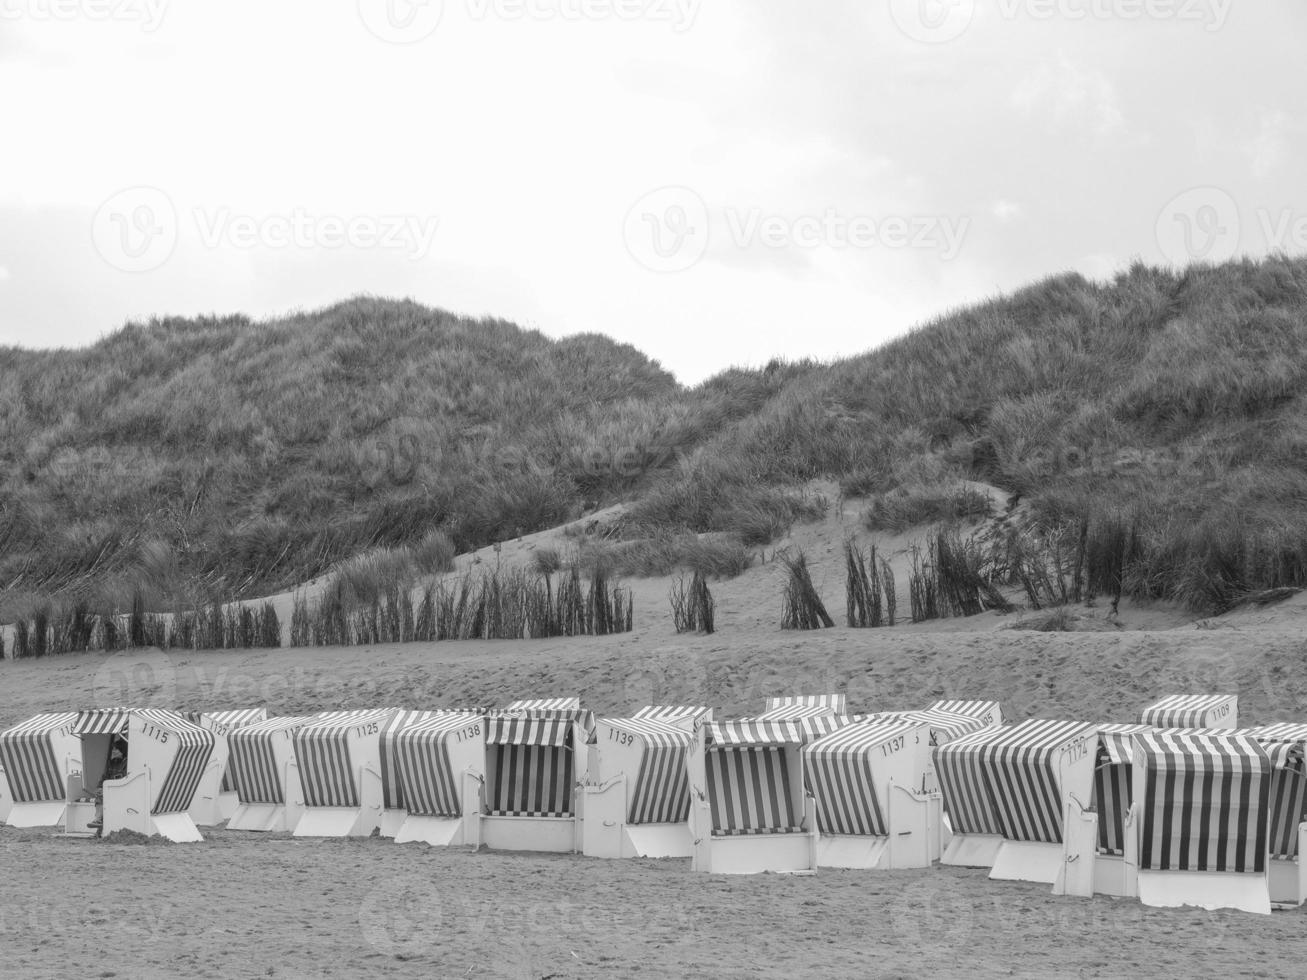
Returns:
point(715, 181)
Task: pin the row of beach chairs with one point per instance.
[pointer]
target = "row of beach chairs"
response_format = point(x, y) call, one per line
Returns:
point(1180, 808)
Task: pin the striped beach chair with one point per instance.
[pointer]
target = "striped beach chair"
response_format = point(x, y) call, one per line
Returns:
point(1203, 828)
point(439, 771)
point(533, 776)
point(166, 759)
point(262, 768)
point(866, 781)
point(1202, 711)
point(1015, 783)
point(749, 810)
point(36, 758)
point(338, 756)
point(216, 799)
point(682, 716)
point(638, 804)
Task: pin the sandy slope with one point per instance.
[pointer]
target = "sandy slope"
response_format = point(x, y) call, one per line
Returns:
point(1103, 673)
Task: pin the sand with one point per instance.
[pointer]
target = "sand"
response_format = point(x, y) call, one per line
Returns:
point(250, 905)
point(278, 907)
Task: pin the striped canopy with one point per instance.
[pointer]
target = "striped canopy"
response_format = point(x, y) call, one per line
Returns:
point(661, 792)
point(1288, 801)
point(252, 764)
point(1205, 802)
point(550, 706)
point(1289, 731)
point(751, 789)
point(839, 771)
point(960, 769)
point(833, 703)
point(102, 721)
point(1182, 710)
point(945, 726)
point(425, 781)
point(1114, 783)
point(194, 747)
point(1021, 773)
point(35, 774)
point(672, 712)
point(225, 721)
point(793, 712)
point(976, 709)
point(546, 704)
point(390, 791)
point(548, 728)
point(1005, 780)
point(327, 770)
point(751, 732)
point(1284, 745)
point(814, 721)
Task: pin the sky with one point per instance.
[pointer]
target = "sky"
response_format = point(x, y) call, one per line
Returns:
point(718, 182)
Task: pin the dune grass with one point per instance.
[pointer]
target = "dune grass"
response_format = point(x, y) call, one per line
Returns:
point(230, 458)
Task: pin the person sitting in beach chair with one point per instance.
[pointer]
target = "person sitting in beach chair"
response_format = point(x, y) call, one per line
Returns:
point(115, 769)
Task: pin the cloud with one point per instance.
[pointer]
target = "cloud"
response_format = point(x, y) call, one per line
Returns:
point(1005, 210)
point(1266, 150)
point(4, 274)
point(1068, 97)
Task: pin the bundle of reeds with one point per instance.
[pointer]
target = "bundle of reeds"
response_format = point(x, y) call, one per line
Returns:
point(803, 608)
point(693, 607)
point(864, 590)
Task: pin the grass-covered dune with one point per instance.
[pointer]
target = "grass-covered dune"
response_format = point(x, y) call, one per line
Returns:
point(1161, 417)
